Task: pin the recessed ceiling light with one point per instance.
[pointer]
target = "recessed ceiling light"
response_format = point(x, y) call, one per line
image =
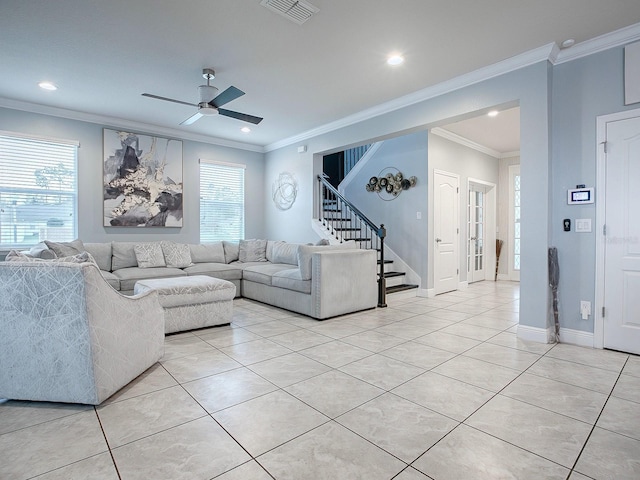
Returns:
point(395, 59)
point(493, 113)
point(245, 130)
point(47, 86)
point(569, 42)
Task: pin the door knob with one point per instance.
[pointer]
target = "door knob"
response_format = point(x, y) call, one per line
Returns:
point(438, 240)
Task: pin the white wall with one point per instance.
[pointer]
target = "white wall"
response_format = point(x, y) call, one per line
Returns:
point(90, 158)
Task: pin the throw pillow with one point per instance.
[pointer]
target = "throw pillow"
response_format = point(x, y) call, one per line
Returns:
point(149, 255)
point(176, 255)
point(285, 253)
point(252, 250)
point(65, 249)
point(231, 251)
point(207, 253)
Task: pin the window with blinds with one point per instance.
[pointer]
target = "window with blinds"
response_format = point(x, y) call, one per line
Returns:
point(38, 190)
point(221, 201)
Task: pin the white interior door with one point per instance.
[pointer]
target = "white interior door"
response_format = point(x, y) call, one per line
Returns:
point(446, 230)
point(622, 240)
point(476, 235)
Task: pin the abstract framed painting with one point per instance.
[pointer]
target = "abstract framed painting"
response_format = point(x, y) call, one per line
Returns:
point(142, 180)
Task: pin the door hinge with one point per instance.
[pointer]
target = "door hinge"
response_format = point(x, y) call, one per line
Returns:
point(457, 271)
point(604, 230)
point(457, 189)
point(604, 144)
point(602, 312)
point(457, 230)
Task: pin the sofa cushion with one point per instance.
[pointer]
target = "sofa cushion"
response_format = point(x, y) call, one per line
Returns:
point(207, 252)
point(231, 251)
point(291, 280)
point(306, 251)
point(111, 279)
point(124, 255)
point(130, 275)
point(252, 251)
point(149, 255)
point(176, 255)
point(216, 270)
point(285, 253)
point(263, 273)
point(101, 252)
point(65, 249)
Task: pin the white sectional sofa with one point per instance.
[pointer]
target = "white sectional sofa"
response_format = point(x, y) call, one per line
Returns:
point(318, 281)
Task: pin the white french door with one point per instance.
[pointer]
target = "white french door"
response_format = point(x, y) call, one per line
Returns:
point(476, 238)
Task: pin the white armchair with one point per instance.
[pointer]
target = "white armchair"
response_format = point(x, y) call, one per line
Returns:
point(67, 336)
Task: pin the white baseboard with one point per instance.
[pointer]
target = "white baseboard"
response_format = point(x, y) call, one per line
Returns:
point(535, 334)
point(547, 335)
point(576, 337)
point(463, 285)
point(503, 276)
point(430, 292)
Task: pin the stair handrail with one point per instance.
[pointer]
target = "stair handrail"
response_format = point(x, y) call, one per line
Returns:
point(380, 232)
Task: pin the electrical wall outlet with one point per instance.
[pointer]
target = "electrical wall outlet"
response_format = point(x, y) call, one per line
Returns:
point(585, 309)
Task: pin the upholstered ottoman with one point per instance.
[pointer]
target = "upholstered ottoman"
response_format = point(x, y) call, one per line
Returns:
point(191, 302)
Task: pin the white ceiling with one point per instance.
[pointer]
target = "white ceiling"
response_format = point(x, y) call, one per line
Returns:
point(104, 54)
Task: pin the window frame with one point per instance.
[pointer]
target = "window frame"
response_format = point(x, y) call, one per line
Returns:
point(17, 185)
point(228, 167)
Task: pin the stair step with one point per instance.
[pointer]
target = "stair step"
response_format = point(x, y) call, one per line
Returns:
point(393, 274)
point(400, 288)
point(386, 261)
point(346, 229)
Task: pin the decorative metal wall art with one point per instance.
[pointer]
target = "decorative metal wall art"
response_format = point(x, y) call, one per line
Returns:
point(284, 191)
point(390, 183)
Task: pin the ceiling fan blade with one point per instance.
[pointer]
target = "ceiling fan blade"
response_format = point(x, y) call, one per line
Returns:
point(169, 99)
point(240, 116)
point(192, 119)
point(229, 94)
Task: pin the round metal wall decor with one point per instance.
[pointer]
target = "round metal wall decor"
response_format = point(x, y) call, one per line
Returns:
point(284, 191)
point(390, 183)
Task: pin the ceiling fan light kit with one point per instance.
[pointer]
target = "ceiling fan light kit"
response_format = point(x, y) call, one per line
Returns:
point(210, 101)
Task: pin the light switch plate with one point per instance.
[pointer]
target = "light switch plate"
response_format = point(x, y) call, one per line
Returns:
point(583, 225)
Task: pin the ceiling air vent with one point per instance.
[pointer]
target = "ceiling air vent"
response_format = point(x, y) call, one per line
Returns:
point(296, 11)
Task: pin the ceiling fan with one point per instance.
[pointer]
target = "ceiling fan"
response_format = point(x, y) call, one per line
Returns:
point(210, 103)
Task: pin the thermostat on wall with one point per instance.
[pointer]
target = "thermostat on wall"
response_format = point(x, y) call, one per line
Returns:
point(579, 195)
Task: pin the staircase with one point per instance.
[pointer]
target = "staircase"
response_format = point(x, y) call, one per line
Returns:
point(344, 222)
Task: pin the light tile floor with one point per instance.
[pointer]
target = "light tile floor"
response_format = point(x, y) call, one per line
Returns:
point(437, 388)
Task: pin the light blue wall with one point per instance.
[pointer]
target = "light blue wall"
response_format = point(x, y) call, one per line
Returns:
point(406, 235)
point(582, 90)
point(529, 87)
point(90, 179)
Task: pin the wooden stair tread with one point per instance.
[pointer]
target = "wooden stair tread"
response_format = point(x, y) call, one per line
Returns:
point(400, 288)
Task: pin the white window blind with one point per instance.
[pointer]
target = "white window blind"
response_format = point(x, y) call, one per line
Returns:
point(38, 190)
point(221, 202)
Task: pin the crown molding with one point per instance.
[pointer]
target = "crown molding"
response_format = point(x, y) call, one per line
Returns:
point(514, 63)
point(121, 123)
point(454, 137)
point(603, 42)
